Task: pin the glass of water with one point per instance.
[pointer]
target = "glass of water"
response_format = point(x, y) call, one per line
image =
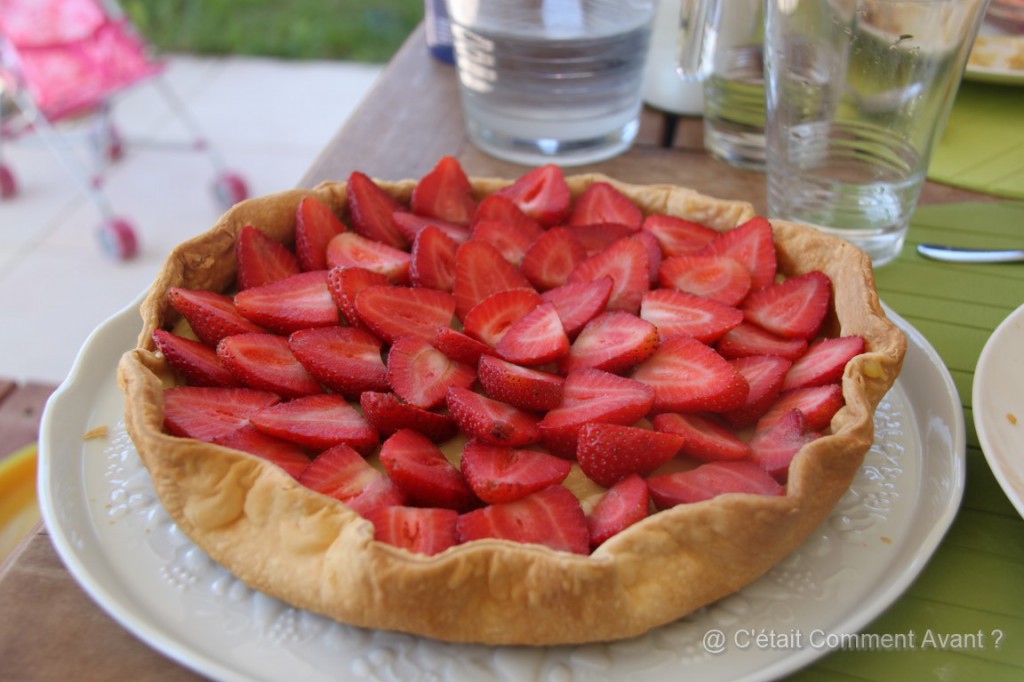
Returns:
point(858, 93)
point(551, 81)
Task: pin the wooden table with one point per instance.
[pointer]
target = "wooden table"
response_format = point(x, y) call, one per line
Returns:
point(49, 628)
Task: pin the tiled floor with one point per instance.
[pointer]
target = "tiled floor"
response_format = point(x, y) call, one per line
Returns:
point(268, 119)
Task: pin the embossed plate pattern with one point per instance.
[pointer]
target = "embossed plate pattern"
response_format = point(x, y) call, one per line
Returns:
point(108, 527)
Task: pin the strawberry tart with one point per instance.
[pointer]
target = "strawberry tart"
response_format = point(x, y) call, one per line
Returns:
point(534, 411)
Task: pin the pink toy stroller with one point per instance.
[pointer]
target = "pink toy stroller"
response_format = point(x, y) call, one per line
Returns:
point(66, 59)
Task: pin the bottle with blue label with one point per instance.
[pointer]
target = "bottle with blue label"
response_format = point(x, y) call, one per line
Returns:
point(439, 32)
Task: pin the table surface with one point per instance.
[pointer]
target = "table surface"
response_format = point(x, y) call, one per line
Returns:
point(50, 629)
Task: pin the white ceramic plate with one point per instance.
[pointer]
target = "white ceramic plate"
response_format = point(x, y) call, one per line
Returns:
point(118, 542)
point(997, 57)
point(998, 404)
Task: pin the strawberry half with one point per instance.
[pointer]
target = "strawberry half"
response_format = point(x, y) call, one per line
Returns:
point(501, 209)
point(625, 503)
point(420, 374)
point(707, 440)
point(498, 473)
point(261, 260)
point(824, 362)
point(387, 413)
point(460, 347)
point(392, 312)
point(717, 277)
point(677, 236)
point(511, 241)
point(773, 448)
point(411, 225)
point(678, 313)
point(626, 263)
point(297, 302)
point(550, 259)
point(536, 338)
point(351, 250)
point(373, 212)
point(266, 363)
point(211, 316)
point(422, 471)
point(602, 202)
point(490, 319)
point(764, 375)
point(613, 341)
point(422, 530)
point(542, 194)
point(596, 237)
point(551, 517)
point(288, 456)
point(607, 453)
point(578, 303)
point(345, 283)
point(207, 413)
point(317, 422)
point(432, 262)
point(445, 192)
point(688, 376)
point(753, 245)
point(481, 270)
point(711, 480)
point(522, 387)
point(346, 360)
point(794, 308)
point(315, 226)
point(340, 472)
point(818, 404)
point(749, 339)
point(195, 362)
point(491, 420)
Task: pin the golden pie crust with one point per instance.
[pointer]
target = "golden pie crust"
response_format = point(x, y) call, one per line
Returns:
point(314, 552)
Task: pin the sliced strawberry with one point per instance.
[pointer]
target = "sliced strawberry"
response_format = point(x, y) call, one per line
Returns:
point(773, 448)
point(420, 469)
point(211, 316)
point(677, 236)
point(579, 302)
point(498, 473)
point(206, 413)
point(500, 208)
point(491, 318)
point(551, 258)
point(266, 363)
point(607, 453)
point(602, 202)
point(748, 339)
point(347, 360)
point(764, 375)
point(351, 250)
point(195, 362)
point(707, 439)
point(678, 313)
point(625, 503)
point(491, 420)
point(613, 341)
point(460, 347)
point(340, 472)
point(625, 262)
point(481, 270)
point(317, 422)
point(717, 277)
point(522, 387)
point(392, 312)
point(373, 212)
point(536, 338)
point(688, 376)
point(654, 255)
point(818, 403)
point(711, 480)
point(387, 413)
point(552, 517)
point(420, 374)
point(379, 494)
point(445, 193)
point(794, 308)
point(411, 225)
point(824, 362)
point(315, 226)
point(596, 237)
point(432, 262)
point(753, 245)
point(297, 302)
point(288, 456)
point(511, 241)
point(345, 284)
point(591, 395)
point(261, 260)
point(542, 194)
point(422, 530)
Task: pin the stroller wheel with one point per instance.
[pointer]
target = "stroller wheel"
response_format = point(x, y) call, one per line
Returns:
point(229, 188)
point(8, 185)
point(117, 239)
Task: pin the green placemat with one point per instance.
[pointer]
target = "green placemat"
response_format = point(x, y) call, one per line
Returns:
point(982, 148)
point(969, 599)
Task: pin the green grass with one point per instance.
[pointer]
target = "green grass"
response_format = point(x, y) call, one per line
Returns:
point(358, 30)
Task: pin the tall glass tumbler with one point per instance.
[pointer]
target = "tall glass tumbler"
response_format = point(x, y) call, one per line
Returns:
point(858, 93)
point(551, 81)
